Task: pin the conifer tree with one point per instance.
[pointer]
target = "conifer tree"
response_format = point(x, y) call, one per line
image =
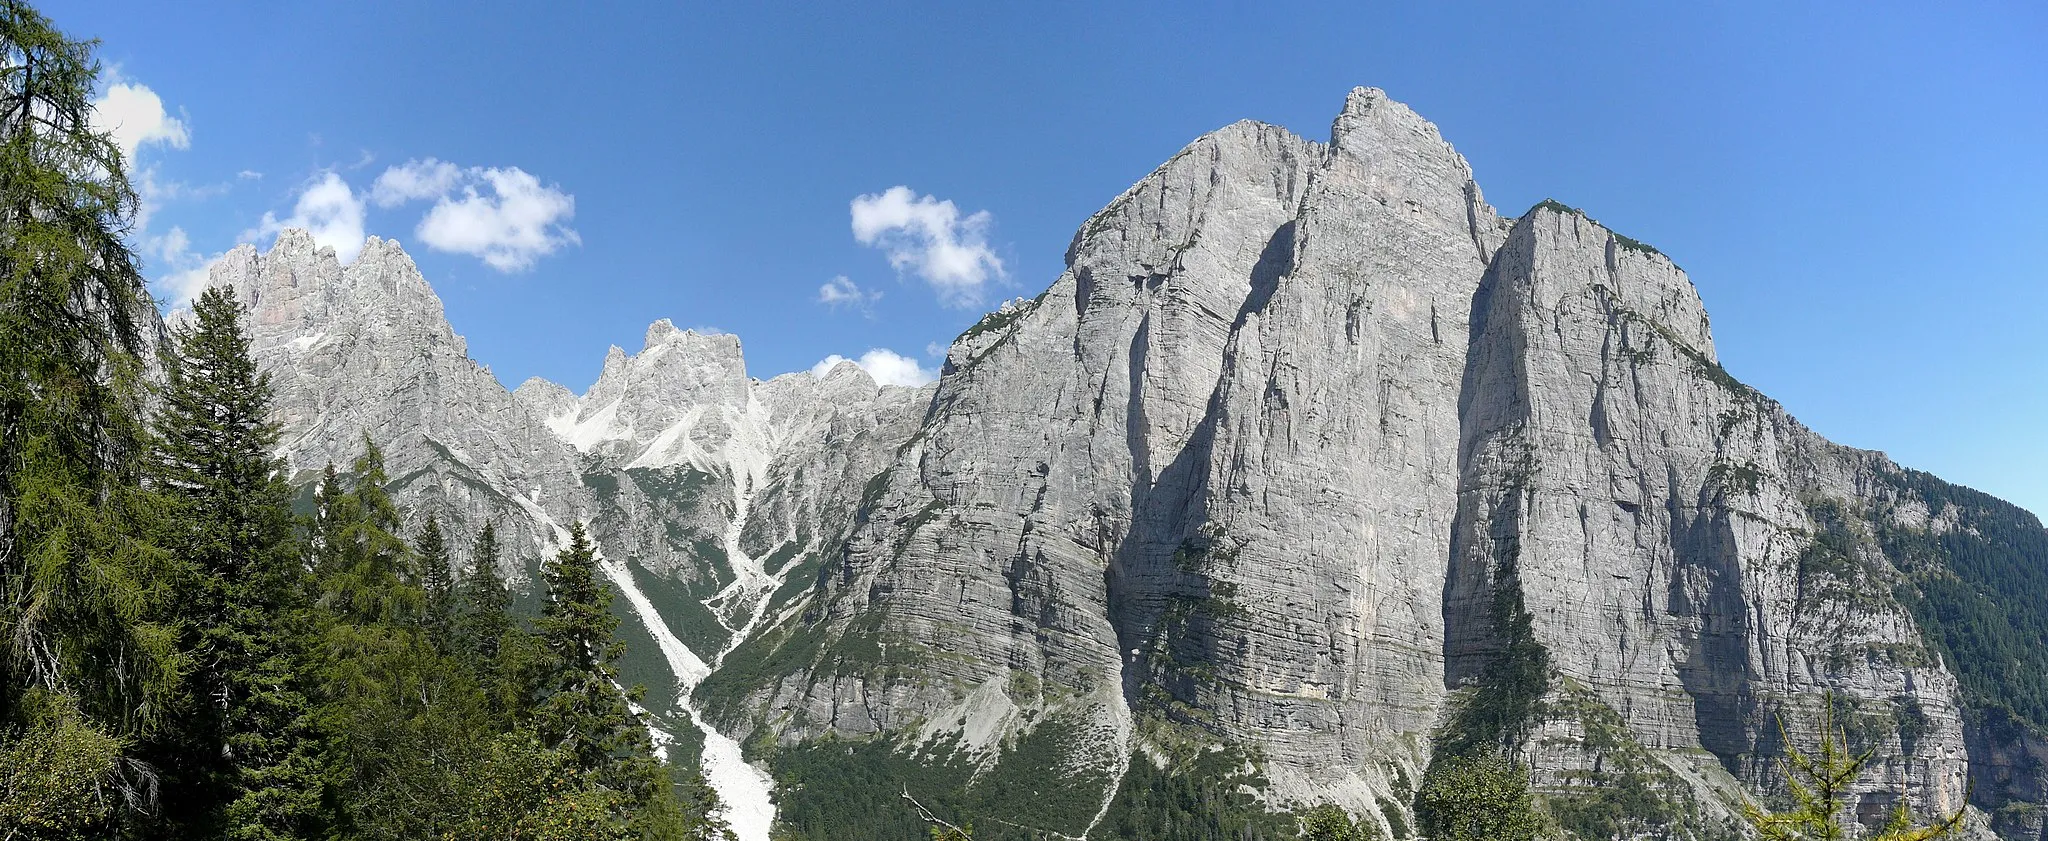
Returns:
point(585, 714)
point(75, 584)
point(484, 629)
point(484, 602)
point(242, 728)
point(438, 612)
point(365, 569)
point(1821, 787)
point(89, 658)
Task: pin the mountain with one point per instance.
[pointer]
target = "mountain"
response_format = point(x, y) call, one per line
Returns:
point(1307, 469)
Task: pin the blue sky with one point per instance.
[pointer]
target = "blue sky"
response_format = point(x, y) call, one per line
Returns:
point(1856, 189)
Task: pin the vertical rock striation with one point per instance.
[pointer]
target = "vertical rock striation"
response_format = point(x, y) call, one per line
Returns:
point(1304, 445)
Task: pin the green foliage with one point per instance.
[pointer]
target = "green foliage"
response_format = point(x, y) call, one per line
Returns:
point(179, 662)
point(1396, 822)
point(1961, 587)
point(1496, 714)
point(1204, 795)
point(364, 568)
point(1712, 371)
point(1626, 793)
point(1737, 477)
point(237, 758)
point(1471, 789)
point(1638, 246)
point(56, 773)
point(1823, 804)
point(437, 614)
point(1329, 822)
point(86, 600)
point(1626, 243)
point(835, 790)
point(1482, 798)
point(841, 790)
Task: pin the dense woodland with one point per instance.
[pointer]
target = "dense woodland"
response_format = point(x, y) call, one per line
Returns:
point(186, 656)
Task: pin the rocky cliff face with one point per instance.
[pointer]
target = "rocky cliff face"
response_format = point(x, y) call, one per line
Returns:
point(1303, 458)
point(364, 351)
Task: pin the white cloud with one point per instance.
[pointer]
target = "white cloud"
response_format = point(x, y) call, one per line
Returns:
point(187, 272)
point(414, 180)
point(928, 236)
point(135, 116)
point(329, 209)
point(886, 366)
point(839, 291)
point(504, 217)
point(249, 175)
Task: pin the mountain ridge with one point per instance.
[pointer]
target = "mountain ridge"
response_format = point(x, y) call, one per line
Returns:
point(1304, 443)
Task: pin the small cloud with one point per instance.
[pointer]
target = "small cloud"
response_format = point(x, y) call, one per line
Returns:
point(327, 208)
point(249, 175)
point(839, 291)
point(504, 217)
point(135, 116)
point(934, 350)
point(414, 180)
point(928, 236)
point(884, 365)
point(187, 273)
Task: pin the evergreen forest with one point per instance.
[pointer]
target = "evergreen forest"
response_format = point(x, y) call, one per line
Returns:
point(187, 657)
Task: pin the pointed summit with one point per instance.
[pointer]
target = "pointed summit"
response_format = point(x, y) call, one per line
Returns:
point(659, 332)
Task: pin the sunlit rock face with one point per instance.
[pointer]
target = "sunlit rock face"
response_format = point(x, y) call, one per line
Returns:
point(1302, 443)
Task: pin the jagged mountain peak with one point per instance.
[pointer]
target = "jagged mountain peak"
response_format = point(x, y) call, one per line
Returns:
point(298, 290)
point(1300, 439)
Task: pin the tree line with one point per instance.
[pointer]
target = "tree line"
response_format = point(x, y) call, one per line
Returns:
point(184, 656)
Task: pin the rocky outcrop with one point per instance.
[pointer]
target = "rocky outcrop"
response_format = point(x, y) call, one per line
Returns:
point(363, 351)
point(1259, 461)
point(1302, 457)
point(1659, 521)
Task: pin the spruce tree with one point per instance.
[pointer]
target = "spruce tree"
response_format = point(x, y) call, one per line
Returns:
point(585, 715)
point(242, 730)
point(398, 718)
point(484, 603)
point(365, 569)
point(438, 612)
point(484, 630)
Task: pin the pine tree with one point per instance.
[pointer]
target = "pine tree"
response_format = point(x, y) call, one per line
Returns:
point(365, 569)
point(242, 729)
point(484, 630)
point(438, 612)
point(586, 716)
point(1821, 787)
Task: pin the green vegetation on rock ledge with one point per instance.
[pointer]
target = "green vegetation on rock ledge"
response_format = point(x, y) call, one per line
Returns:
point(850, 790)
point(1994, 645)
